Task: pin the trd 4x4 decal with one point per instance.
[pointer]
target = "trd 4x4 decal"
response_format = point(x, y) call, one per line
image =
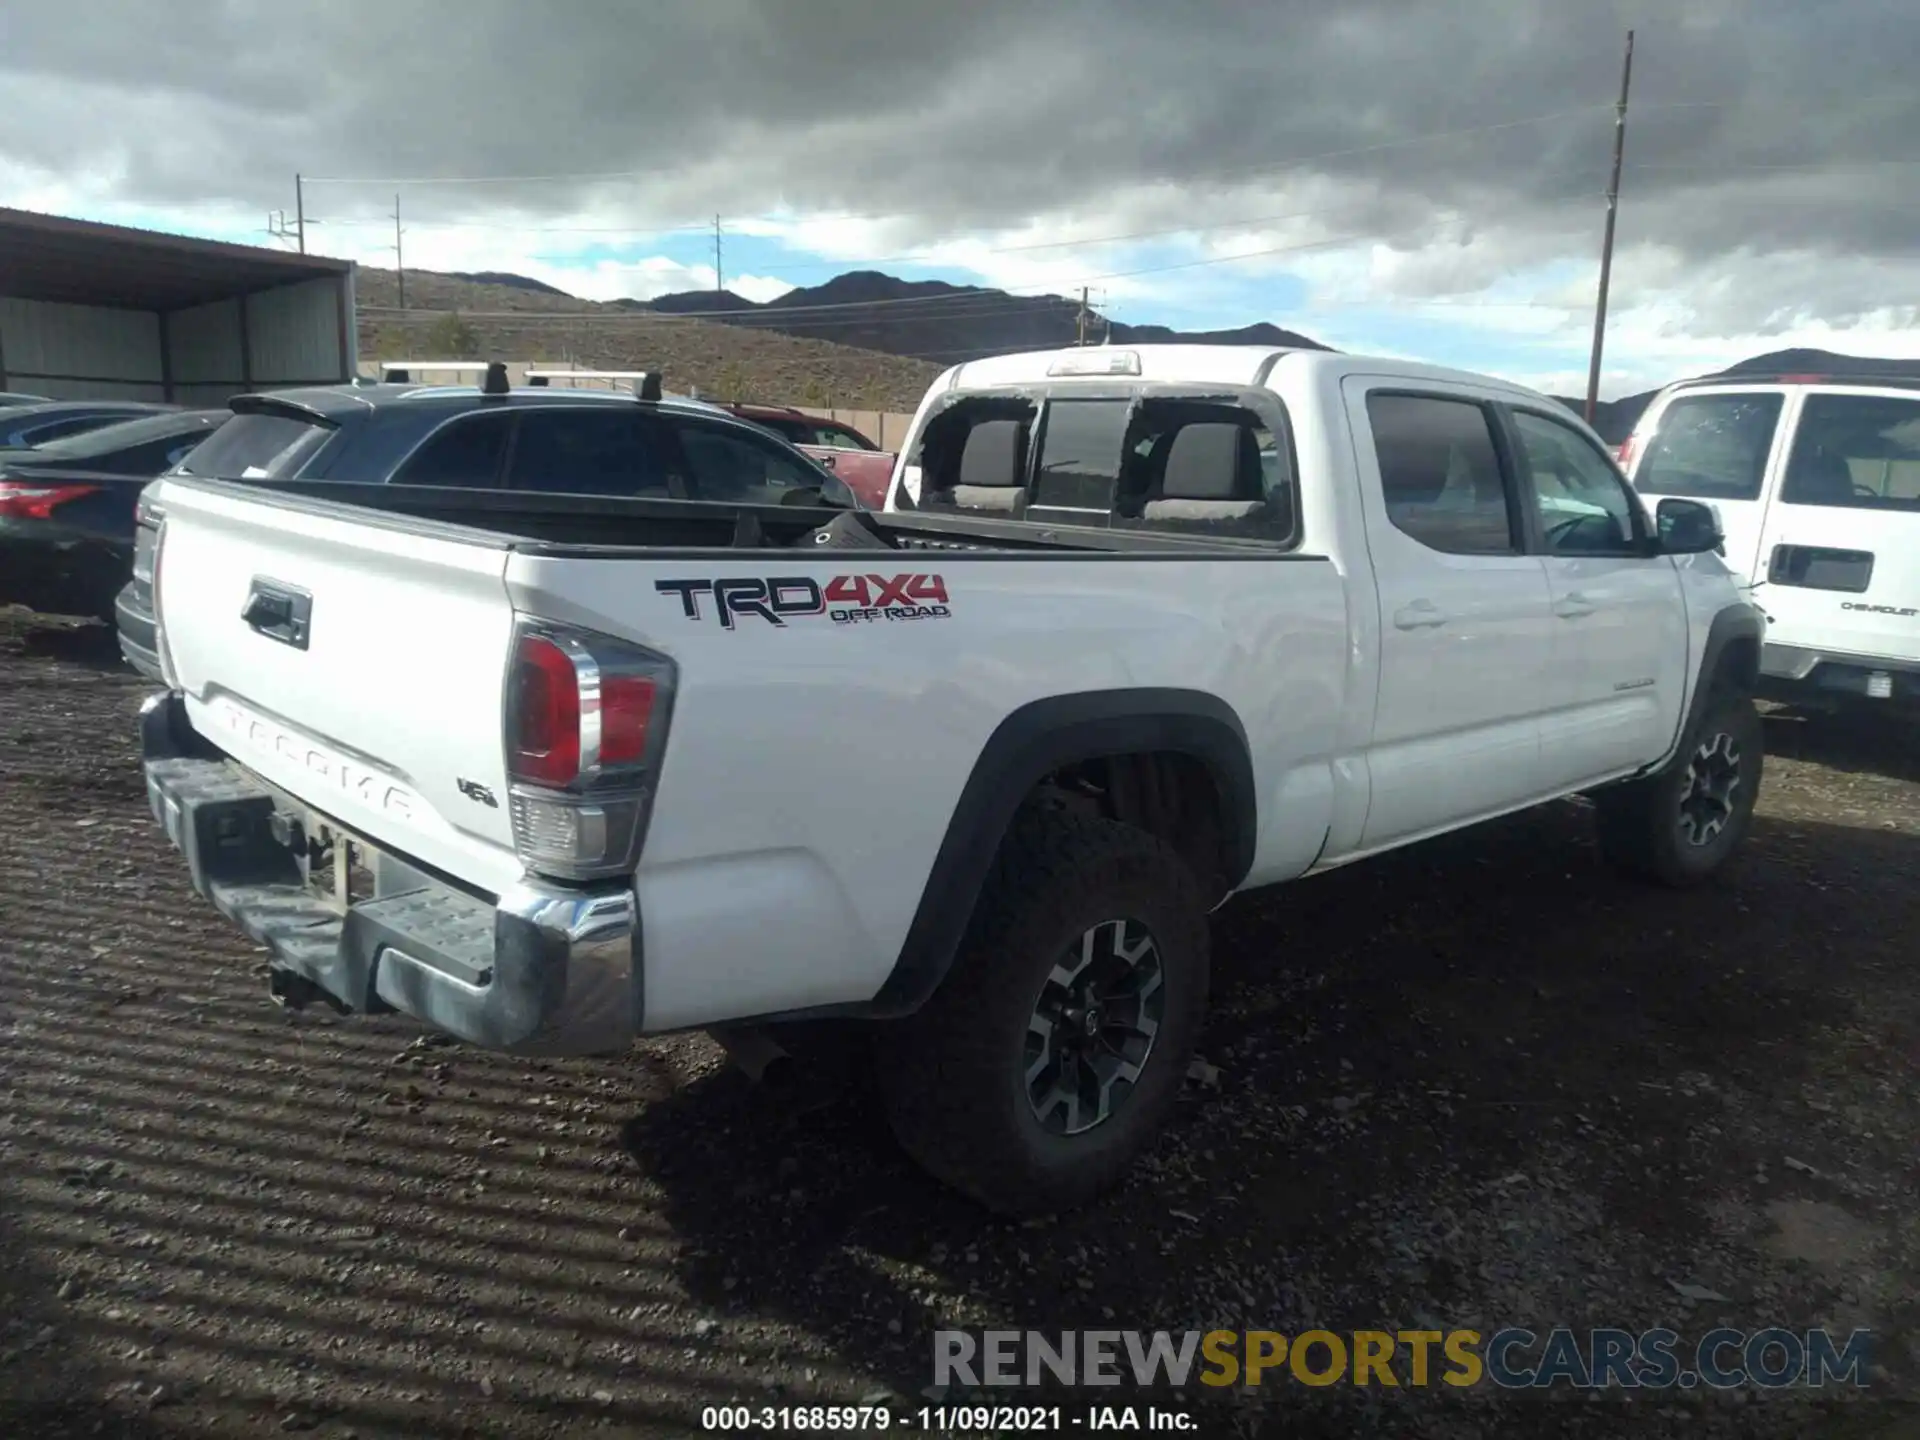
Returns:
point(844, 599)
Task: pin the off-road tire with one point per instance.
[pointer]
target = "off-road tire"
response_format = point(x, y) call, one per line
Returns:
point(1640, 825)
point(954, 1075)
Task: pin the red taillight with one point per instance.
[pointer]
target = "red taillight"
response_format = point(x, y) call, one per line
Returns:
point(544, 743)
point(586, 721)
point(578, 708)
point(29, 500)
point(1624, 452)
point(626, 704)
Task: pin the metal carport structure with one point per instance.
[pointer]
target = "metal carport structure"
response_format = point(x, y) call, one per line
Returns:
point(91, 311)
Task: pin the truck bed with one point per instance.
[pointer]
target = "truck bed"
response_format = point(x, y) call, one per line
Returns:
point(534, 522)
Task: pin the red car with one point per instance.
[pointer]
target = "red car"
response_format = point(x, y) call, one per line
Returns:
point(866, 468)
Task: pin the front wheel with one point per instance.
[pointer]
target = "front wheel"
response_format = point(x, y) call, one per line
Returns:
point(1049, 1058)
point(1679, 827)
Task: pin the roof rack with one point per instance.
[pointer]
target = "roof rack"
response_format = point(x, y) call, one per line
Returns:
point(646, 383)
point(1893, 380)
point(400, 372)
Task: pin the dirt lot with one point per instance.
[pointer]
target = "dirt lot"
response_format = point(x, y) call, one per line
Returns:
point(1480, 1083)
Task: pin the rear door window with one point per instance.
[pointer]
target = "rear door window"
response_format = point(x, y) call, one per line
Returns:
point(464, 453)
point(1711, 447)
point(258, 447)
point(1856, 452)
point(597, 451)
point(1440, 474)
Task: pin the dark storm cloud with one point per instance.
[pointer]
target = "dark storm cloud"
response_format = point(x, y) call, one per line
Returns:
point(983, 113)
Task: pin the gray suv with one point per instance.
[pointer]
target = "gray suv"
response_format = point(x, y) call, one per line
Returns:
point(556, 441)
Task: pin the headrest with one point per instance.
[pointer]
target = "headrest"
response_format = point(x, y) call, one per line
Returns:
point(1213, 460)
point(1821, 476)
point(994, 455)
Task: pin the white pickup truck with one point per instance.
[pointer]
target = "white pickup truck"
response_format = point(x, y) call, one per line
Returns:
point(1139, 629)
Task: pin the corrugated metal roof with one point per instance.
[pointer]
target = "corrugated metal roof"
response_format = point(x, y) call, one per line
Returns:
point(79, 262)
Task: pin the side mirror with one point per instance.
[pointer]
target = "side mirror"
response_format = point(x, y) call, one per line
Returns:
point(1688, 527)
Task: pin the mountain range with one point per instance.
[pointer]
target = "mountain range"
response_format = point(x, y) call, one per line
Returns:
point(939, 323)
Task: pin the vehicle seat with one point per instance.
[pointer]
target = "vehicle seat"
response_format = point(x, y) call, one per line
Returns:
point(1820, 479)
point(1213, 474)
point(993, 468)
point(1141, 476)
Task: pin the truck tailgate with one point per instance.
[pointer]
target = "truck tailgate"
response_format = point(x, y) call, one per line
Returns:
point(386, 713)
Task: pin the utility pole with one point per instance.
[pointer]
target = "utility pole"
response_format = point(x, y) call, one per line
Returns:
point(1081, 325)
point(1606, 244)
point(719, 275)
point(300, 209)
point(399, 261)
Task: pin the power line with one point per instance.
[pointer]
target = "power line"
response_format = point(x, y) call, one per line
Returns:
point(1784, 168)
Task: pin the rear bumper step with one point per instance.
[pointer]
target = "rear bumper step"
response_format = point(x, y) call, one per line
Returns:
point(1790, 672)
point(541, 970)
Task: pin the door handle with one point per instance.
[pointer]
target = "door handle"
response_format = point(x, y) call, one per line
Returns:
point(1573, 606)
point(830, 462)
point(1418, 615)
point(279, 612)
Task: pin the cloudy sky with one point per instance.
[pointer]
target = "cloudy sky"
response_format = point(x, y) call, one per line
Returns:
point(1386, 175)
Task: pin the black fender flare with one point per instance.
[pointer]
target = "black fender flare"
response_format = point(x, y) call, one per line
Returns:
point(1030, 744)
point(1737, 622)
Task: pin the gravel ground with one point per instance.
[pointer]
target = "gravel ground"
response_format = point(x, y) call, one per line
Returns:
point(1518, 1092)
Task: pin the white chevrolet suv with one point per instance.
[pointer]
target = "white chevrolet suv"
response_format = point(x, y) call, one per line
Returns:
point(1817, 482)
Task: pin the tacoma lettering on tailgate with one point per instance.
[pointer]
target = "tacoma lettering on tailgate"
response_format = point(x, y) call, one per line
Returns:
point(365, 785)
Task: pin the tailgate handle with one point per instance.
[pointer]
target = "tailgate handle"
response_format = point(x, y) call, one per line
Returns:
point(279, 612)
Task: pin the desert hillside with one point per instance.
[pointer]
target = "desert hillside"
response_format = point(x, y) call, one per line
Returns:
point(452, 319)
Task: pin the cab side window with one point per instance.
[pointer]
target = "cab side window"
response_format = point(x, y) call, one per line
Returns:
point(1583, 504)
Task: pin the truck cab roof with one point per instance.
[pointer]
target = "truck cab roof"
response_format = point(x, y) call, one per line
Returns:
point(1236, 365)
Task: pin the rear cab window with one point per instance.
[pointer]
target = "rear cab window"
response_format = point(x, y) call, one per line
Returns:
point(1712, 446)
point(1164, 463)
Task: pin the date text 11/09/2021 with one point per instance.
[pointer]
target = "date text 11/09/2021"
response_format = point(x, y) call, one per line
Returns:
point(947, 1419)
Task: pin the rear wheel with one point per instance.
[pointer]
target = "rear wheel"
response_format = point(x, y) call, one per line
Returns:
point(1048, 1060)
point(1679, 827)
